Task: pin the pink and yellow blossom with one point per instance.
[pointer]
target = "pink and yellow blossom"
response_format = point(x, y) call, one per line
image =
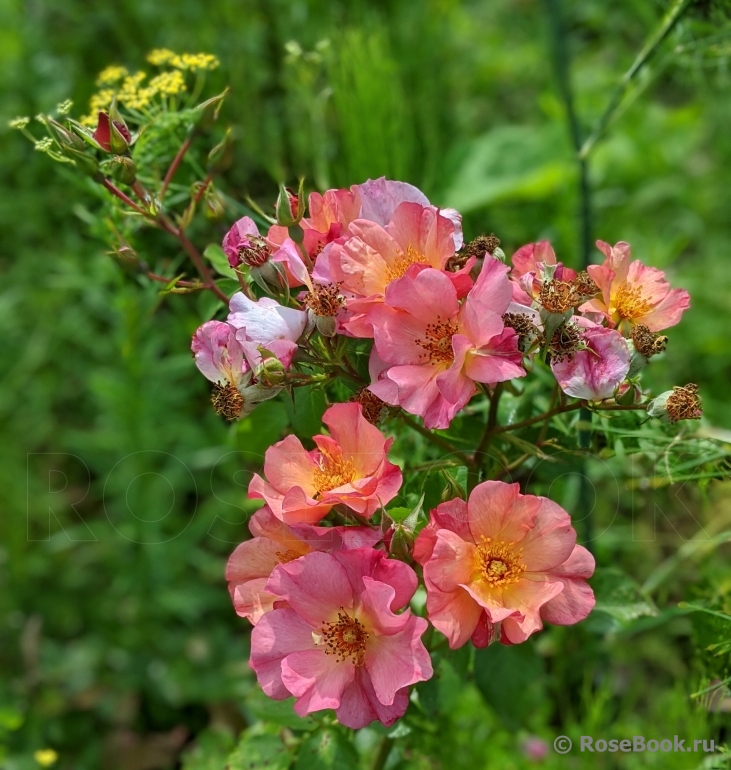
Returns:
point(502, 558)
point(430, 349)
point(633, 293)
point(274, 542)
point(348, 467)
point(341, 642)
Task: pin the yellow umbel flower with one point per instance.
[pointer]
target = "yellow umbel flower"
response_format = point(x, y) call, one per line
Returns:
point(168, 83)
point(195, 61)
point(131, 95)
point(45, 757)
point(111, 75)
point(160, 56)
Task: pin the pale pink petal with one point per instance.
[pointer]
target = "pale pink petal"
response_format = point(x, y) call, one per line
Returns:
point(278, 634)
point(251, 599)
point(667, 312)
point(498, 511)
point(424, 294)
point(497, 361)
point(359, 441)
point(380, 197)
point(492, 291)
point(359, 705)
point(576, 600)
point(527, 597)
point(289, 464)
point(317, 585)
point(452, 562)
point(254, 558)
point(398, 660)
point(316, 679)
point(266, 320)
point(551, 539)
point(594, 374)
point(376, 600)
point(454, 613)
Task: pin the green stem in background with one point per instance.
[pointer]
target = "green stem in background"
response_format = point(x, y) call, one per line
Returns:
point(668, 22)
point(384, 749)
point(478, 459)
point(562, 68)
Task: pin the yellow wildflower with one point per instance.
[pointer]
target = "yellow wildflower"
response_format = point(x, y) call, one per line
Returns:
point(195, 61)
point(64, 107)
point(111, 75)
point(169, 83)
point(45, 757)
point(160, 56)
point(101, 100)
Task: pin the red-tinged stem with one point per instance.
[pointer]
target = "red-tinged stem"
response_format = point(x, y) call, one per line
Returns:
point(177, 160)
point(206, 182)
point(124, 198)
point(569, 408)
point(185, 284)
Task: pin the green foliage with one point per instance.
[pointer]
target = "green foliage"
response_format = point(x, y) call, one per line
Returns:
point(115, 625)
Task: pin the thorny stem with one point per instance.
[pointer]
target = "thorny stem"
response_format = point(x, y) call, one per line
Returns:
point(177, 160)
point(178, 234)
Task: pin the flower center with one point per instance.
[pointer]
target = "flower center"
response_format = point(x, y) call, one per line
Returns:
point(256, 253)
point(402, 263)
point(227, 401)
point(628, 302)
point(345, 638)
point(498, 564)
point(325, 301)
point(287, 556)
point(332, 472)
point(437, 341)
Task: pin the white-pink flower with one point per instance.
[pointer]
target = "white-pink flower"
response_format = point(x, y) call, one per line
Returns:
point(267, 324)
point(595, 371)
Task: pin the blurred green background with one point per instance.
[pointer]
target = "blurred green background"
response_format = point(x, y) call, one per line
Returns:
point(118, 645)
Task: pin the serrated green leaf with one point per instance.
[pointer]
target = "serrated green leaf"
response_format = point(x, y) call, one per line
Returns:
point(257, 752)
point(619, 596)
point(327, 750)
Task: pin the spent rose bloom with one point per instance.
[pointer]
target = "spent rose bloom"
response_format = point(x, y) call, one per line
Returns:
point(348, 467)
point(228, 363)
point(531, 264)
point(502, 558)
point(595, 371)
point(243, 244)
point(341, 642)
point(265, 323)
point(632, 293)
point(274, 542)
point(431, 350)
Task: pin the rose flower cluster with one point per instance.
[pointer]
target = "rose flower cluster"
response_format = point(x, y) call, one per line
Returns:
point(378, 267)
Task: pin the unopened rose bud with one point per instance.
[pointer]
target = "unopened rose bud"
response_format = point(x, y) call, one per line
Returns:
point(628, 393)
point(111, 135)
point(290, 208)
point(401, 542)
point(221, 156)
point(121, 168)
point(63, 136)
point(214, 207)
point(206, 113)
point(270, 372)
